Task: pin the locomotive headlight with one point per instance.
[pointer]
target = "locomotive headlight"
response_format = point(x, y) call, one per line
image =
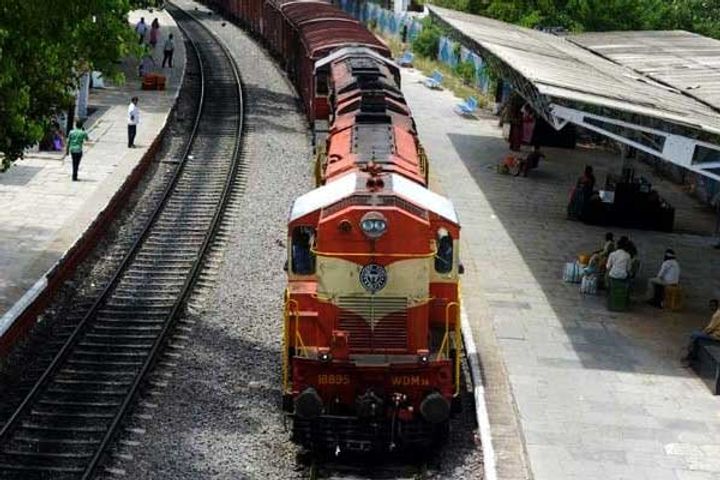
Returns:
point(373, 224)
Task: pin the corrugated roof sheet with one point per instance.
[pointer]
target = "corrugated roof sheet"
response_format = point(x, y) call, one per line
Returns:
point(559, 69)
point(683, 60)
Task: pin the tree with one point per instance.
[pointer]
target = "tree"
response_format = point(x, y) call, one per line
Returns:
point(427, 42)
point(700, 16)
point(44, 47)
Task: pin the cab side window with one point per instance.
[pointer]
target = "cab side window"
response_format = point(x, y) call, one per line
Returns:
point(321, 84)
point(444, 255)
point(303, 259)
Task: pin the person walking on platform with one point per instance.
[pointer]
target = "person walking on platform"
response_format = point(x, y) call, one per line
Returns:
point(669, 274)
point(168, 50)
point(154, 33)
point(133, 121)
point(141, 29)
point(76, 137)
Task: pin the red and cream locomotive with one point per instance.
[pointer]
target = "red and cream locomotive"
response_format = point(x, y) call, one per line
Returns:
point(371, 329)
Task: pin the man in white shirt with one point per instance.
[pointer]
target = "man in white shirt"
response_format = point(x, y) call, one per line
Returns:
point(669, 274)
point(618, 263)
point(133, 120)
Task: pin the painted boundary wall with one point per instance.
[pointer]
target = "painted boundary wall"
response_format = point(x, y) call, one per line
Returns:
point(392, 24)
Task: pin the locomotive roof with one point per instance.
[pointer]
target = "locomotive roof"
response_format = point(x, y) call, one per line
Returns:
point(353, 183)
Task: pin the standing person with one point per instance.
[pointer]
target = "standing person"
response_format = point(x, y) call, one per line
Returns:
point(669, 274)
point(581, 193)
point(141, 29)
point(515, 117)
point(168, 50)
point(133, 120)
point(154, 33)
point(76, 137)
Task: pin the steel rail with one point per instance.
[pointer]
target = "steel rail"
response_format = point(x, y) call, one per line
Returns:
point(190, 278)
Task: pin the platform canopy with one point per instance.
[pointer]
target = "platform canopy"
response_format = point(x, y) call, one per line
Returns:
point(621, 93)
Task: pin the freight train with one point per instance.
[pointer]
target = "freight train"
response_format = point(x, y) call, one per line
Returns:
point(371, 350)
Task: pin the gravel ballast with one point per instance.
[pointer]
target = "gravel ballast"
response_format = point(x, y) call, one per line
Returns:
point(219, 415)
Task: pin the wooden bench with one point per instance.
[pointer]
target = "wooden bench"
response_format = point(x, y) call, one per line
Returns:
point(706, 363)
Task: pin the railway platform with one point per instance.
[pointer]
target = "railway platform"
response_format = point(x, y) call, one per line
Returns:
point(573, 391)
point(48, 222)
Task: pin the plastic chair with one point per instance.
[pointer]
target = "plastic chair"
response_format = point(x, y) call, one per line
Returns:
point(467, 107)
point(406, 59)
point(435, 80)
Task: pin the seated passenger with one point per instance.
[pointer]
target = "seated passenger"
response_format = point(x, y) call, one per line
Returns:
point(618, 263)
point(669, 274)
point(598, 258)
point(634, 260)
point(530, 162)
point(609, 245)
point(710, 332)
point(594, 264)
point(444, 255)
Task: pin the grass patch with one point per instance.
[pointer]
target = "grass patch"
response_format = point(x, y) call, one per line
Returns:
point(427, 66)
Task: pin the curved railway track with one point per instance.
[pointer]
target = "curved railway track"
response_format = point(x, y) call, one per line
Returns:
point(66, 423)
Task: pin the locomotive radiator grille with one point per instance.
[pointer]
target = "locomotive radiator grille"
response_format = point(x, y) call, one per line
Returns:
point(374, 323)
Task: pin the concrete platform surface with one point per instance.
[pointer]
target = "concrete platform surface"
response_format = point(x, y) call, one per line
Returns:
point(573, 391)
point(44, 212)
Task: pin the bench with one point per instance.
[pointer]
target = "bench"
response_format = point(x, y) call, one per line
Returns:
point(467, 108)
point(434, 81)
point(406, 59)
point(706, 363)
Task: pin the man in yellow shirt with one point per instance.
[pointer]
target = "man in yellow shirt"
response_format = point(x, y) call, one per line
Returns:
point(710, 332)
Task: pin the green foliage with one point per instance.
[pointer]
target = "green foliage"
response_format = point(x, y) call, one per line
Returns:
point(701, 16)
point(427, 42)
point(44, 47)
point(466, 71)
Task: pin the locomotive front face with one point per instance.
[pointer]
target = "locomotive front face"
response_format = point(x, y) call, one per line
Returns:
point(384, 289)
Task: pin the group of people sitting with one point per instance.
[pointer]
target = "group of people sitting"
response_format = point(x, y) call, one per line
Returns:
point(620, 263)
point(614, 261)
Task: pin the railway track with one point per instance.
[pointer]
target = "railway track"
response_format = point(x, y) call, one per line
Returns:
point(363, 468)
point(65, 424)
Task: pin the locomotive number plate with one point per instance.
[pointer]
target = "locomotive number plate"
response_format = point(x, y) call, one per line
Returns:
point(410, 381)
point(373, 277)
point(333, 379)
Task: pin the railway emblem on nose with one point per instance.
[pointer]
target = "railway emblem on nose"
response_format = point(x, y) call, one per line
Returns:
point(373, 277)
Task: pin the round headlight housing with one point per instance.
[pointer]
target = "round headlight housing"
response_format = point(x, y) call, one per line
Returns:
point(373, 224)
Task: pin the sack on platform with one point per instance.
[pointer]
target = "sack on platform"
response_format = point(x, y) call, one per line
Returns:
point(588, 285)
point(572, 272)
